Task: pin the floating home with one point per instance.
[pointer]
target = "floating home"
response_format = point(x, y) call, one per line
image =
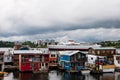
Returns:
point(28, 60)
point(53, 60)
point(72, 61)
point(104, 63)
point(44, 62)
point(5, 57)
point(1, 61)
point(117, 60)
point(8, 53)
point(45, 58)
point(67, 46)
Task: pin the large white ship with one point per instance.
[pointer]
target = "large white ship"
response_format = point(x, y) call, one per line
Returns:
point(71, 45)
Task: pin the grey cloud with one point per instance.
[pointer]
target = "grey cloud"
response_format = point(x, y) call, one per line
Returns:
point(39, 17)
point(31, 30)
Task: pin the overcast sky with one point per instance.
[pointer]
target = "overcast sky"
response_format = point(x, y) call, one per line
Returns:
point(80, 20)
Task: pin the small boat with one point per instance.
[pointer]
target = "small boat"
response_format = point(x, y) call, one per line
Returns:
point(108, 68)
point(2, 74)
point(85, 71)
point(117, 62)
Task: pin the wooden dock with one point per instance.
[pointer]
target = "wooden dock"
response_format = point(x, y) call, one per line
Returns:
point(11, 68)
point(96, 72)
point(60, 68)
point(44, 71)
point(72, 71)
point(53, 66)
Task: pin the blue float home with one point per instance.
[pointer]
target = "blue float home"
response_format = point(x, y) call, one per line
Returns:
point(72, 61)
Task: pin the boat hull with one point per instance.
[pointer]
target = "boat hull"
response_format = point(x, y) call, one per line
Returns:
point(85, 71)
point(108, 70)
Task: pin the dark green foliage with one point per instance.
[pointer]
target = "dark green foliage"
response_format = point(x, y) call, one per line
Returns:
point(6, 44)
point(115, 44)
point(33, 45)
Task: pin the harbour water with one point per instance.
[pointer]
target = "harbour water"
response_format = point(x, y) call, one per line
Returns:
point(56, 75)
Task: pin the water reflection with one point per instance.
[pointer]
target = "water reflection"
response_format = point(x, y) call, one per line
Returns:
point(56, 75)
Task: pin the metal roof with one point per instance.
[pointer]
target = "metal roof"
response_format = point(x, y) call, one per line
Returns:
point(5, 49)
point(27, 52)
point(101, 48)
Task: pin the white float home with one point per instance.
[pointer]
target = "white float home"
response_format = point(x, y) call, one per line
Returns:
point(7, 55)
point(117, 59)
point(99, 63)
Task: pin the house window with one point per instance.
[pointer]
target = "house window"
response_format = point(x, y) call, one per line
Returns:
point(52, 55)
point(42, 64)
point(66, 63)
point(118, 61)
point(91, 58)
point(80, 64)
point(23, 64)
point(79, 55)
point(31, 65)
point(39, 65)
point(117, 58)
point(46, 64)
point(93, 52)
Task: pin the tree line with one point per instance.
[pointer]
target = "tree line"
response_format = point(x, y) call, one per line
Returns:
point(115, 44)
point(29, 43)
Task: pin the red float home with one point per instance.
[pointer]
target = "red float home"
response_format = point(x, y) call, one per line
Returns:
point(27, 60)
point(44, 62)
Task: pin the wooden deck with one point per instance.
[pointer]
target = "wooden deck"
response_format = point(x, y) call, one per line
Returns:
point(72, 71)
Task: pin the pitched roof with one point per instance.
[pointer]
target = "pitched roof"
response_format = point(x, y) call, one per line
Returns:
point(69, 53)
